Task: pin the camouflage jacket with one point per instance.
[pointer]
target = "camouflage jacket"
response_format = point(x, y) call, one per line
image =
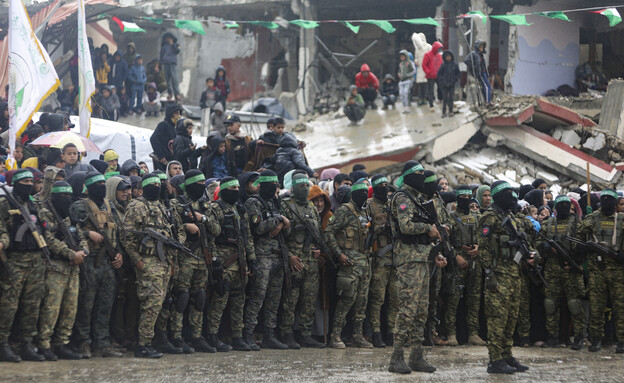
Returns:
point(346, 233)
point(378, 212)
point(11, 221)
point(608, 230)
point(80, 212)
point(183, 206)
point(296, 235)
point(464, 231)
point(232, 224)
point(263, 217)
point(62, 254)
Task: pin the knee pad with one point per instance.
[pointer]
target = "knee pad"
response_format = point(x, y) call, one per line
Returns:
point(167, 302)
point(182, 299)
point(550, 306)
point(575, 306)
point(345, 287)
point(199, 299)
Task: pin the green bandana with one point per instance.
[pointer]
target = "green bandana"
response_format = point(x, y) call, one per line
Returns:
point(111, 174)
point(413, 169)
point(500, 187)
point(62, 189)
point(360, 186)
point(94, 179)
point(229, 184)
point(300, 181)
point(379, 180)
point(562, 198)
point(267, 179)
point(195, 179)
point(22, 175)
point(430, 179)
point(150, 180)
point(463, 192)
point(610, 193)
point(162, 176)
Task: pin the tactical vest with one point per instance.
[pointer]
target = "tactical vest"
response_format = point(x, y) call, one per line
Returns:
point(499, 240)
point(467, 225)
point(353, 236)
point(230, 226)
point(104, 218)
point(21, 238)
point(419, 216)
point(381, 217)
point(556, 229)
point(608, 230)
point(270, 210)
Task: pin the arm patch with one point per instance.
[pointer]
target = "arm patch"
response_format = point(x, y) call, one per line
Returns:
point(485, 231)
point(402, 207)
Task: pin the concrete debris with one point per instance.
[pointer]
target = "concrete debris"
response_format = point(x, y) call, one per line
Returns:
point(595, 143)
point(567, 136)
point(612, 112)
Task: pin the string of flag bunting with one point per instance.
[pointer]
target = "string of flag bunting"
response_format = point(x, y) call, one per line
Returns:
point(197, 26)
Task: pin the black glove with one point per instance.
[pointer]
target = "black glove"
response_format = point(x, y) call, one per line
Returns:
point(490, 280)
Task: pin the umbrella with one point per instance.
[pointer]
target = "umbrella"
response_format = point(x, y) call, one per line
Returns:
point(60, 139)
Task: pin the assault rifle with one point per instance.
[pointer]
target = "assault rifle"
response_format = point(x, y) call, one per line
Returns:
point(519, 241)
point(110, 249)
point(162, 241)
point(598, 248)
point(562, 252)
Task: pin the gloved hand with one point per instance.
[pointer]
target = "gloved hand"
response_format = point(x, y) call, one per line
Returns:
point(490, 280)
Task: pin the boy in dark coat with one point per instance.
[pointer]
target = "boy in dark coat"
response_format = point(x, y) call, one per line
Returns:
point(184, 150)
point(165, 131)
point(289, 157)
point(389, 90)
point(448, 75)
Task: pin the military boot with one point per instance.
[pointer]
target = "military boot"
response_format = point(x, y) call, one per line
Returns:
point(579, 342)
point(336, 342)
point(417, 361)
point(239, 344)
point(552, 341)
point(162, 344)
point(475, 340)
point(309, 342)
point(48, 354)
point(249, 338)
point(214, 341)
point(28, 353)
point(289, 340)
point(85, 350)
point(619, 348)
point(378, 341)
point(360, 342)
point(500, 367)
point(109, 352)
point(269, 340)
point(179, 343)
point(64, 352)
point(200, 345)
point(513, 362)
point(7, 354)
point(452, 341)
point(596, 344)
point(397, 362)
point(147, 351)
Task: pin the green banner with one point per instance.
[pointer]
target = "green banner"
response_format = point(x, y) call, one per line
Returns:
point(266, 24)
point(191, 25)
point(353, 28)
point(425, 21)
point(512, 19)
point(554, 15)
point(383, 24)
point(307, 24)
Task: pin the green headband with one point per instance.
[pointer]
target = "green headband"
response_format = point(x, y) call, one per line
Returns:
point(94, 179)
point(62, 189)
point(195, 179)
point(463, 192)
point(432, 178)
point(379, 180)
point(150, 180)
point(228, 184)
point(413, 169)
point(263, 179)
point(300, 181)
point(501, 187)
point(360, 186)
point(111, 174)
point(610, 193)
point(514, 194)
point(162, 176)
point(21, 175)
point(562, 198)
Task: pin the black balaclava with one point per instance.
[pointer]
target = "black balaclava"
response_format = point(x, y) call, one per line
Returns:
point(94, 181)
point(151, 190)
point(608, 201)
point(359, 194)
point(430, 183)
point(463, 204)
point(268, 184)
point(61, 197)
point(413, 180)
point(503, 195)
point(380, 191)
point(230, 196)
point(19, 189)
point(562, 206)
point(192, 187)
point(300, 188)
point(343, 194)
point(164, 190)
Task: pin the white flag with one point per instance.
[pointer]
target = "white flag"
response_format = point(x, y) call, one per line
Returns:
point(32, 77)
point(86, 79)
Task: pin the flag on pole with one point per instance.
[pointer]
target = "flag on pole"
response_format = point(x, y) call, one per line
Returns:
point(32, 77)
point(476, 15)
point(127, 26)
point(612, 14)
point(86, 79)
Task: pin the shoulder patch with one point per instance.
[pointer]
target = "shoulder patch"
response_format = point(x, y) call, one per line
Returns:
point(403, 207)
point(486, 231)
point(332, 218)
point(255, 218)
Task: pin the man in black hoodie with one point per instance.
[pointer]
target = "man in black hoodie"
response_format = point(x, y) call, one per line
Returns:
point(165, 132)
point(389, 90)
point(448, 75)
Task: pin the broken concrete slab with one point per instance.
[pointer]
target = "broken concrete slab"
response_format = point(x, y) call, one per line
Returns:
point(453, 141)
point(612, 112)
point(569, 137)
point(561, 113)
point(595, 143)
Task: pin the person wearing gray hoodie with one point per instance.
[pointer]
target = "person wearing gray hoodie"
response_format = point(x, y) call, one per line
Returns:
point(217, 119)
point(406, 73)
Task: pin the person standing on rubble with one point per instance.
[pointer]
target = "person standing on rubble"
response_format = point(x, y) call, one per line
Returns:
point(478, 69)
point(431, 64)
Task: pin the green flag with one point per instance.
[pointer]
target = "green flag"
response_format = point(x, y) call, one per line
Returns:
point(512, 19)
point(425, 21)
point(307, 24)
point(554, 15)
point(229, 24)
point(383, 24)
point(476, 15)
point(612, 14)
point(353, 28)
point(191, 25)
point(266, 24)
point(154, 20)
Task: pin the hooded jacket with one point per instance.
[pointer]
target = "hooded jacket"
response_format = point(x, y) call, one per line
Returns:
point(480, 191)
point(128, 56)
point(475, 60)
point(326, 214)
point(432, 61)
point(157, 78)
point(137, 76)
point(420, 48)
point(387, 89)
point(165, 131)
point(242, 180)
point(49, 177)
point(111, 195)
point(218, 122)
point(181, 148)
point(289, 157)
point(76, 180)
point(77, 167)
point(217, 165)
point(370, 81)
point(448, 74)
point(118, 71)
point(169, 52)
point(222, 83)
point(407, 69)
point(129, 165)
point(109, 104)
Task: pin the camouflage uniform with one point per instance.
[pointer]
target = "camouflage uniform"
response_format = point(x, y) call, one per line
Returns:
point(305, 286)
point(152, 281)
point(95, 301)
point(25, 261)
point(523, 325)
point(464, 233)
point(606, 278)
point(561, 282)
point(346, 234)
point(231, 227)
point(60, 301)
point(266, 284)
point(383, 275)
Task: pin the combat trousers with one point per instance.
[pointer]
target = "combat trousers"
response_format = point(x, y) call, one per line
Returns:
point(26, 291)
point(524, 311)
point(266, 291)
point(413, 284)
point(454, 296)
point(192, 277)
point(59, 305)
point(302, 299)
point(352, 283)
point(501, 311)
point(383, 278)
point(604, 283)
point(151, 291)
point(563, 284)
point(235, 295)
point(473, 293)
point(126, 308)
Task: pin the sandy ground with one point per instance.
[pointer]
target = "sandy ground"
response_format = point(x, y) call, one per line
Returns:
point(457, 364)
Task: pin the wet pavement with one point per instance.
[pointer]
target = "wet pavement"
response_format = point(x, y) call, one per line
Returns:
point(455, 364)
